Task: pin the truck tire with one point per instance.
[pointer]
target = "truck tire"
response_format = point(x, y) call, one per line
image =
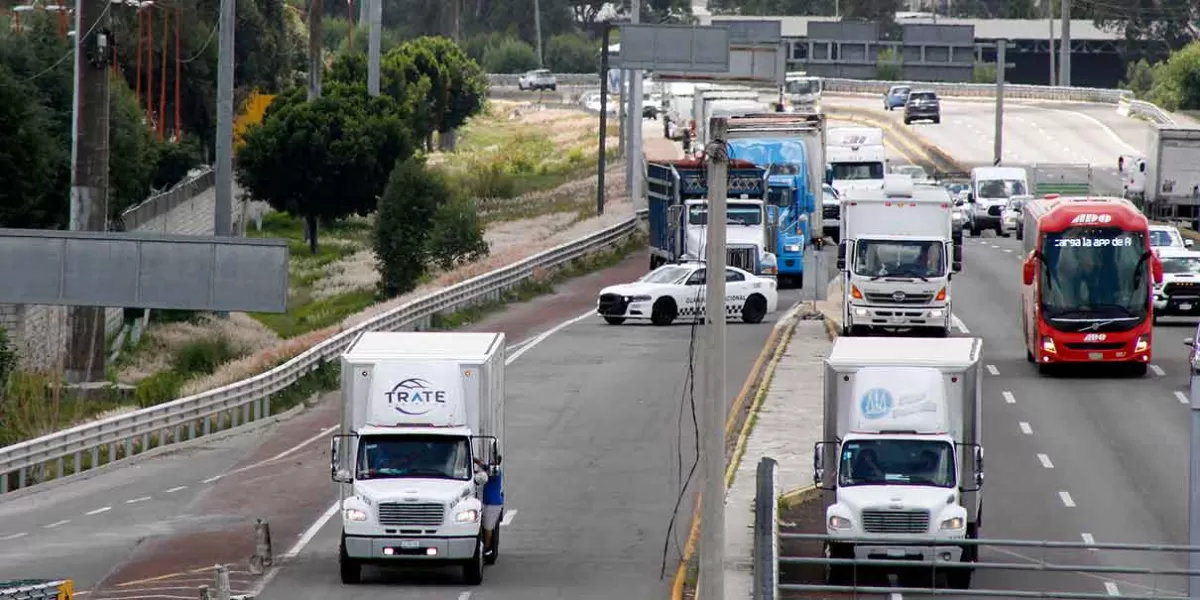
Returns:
point(664, 312)
point(350, 569)
point(1000, 231)
point(839, 574)
point(959, 578)
point(473, 567)
point(1020, 233)
point(755, 309)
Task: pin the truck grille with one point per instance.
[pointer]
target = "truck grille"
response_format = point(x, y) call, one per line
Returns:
point(742, 257)
point(831, 212)
point(889, 521)
point(890, 299)
point(995, 210)
point(612, 304)
point(411, 515)
point(1185, 289)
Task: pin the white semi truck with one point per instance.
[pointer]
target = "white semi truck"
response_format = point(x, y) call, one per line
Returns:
point(738, 100)
point(856, 158)
point(422, 432)
point(902, 460)
point(898, 251)
point(1173, 171)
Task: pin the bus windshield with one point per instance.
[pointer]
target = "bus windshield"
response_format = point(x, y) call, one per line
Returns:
point(848, 171)
point(1094, 279)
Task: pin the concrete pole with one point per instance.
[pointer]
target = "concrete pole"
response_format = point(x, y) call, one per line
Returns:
point(375, 34)
point(998, 136)
point(85, 359)
point(1053, 65)
point(316, 66)
point(712, 444)
point(1064, 61)
point(1194, 493)
point(602, 154)
point(621, 129)
point(224, 141)
point(537, 30)
point(633, 159)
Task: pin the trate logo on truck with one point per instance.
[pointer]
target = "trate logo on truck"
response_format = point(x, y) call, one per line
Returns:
point(415, 396)
point(1089, 218)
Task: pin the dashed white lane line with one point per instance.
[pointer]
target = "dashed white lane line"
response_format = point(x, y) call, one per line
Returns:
point(13, 536)
point(1182, 397)
point(994, 246)
point(464, 596)
point(137, 500)
point(1045, 460)
point(1111, 588)
point(175, 489)
point(1157, 370)
point(100, 510)
point(212, 479)
point(1066, 499)
point(1089, 540)
point(1007, 249)
point(993, 370)
point(1008, 397)
point(895, 596)
point(57, 524)
point(509, 515)
point(1025, 428)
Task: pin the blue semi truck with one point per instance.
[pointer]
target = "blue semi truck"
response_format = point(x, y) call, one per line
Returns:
point(678, 207)
point(791, 147)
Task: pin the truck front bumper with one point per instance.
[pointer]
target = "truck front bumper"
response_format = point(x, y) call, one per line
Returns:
point(943, 554)
point(396, 548)
point(790, 264)
point(899, 316)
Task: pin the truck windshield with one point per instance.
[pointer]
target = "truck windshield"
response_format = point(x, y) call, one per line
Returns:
point(899, 258)
point(1177, 265)
point(735, 214)
point(401, 456)
point(857, 170)
point(1001, 188)
point(801, 87)
point(897, 462)
point(1094, 279)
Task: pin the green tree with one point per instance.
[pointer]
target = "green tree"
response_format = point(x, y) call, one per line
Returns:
point(888, 66)
point(1177, 81)
point(458, 85)
point(456, 236)
point(325, 159)
point(1139, 78)
point(407, 209)
point(984, 72)
point(510, 56)
point(30, 160)
point(572, 53)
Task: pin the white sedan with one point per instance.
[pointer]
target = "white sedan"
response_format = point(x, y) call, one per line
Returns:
point(677, 291)
point(1167, 236)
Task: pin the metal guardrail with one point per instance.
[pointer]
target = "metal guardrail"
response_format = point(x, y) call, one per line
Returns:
point(35, 461)
point(766, 531)
point(165, 202)
point(37, 589)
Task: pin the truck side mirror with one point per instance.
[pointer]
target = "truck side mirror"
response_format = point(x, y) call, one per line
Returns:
point(979, 466)
point(1027, 271)
point(818, 463)
point(841, 255)
point(829, 175)
point(970, 197)
point(957, 253)
point(336, 472)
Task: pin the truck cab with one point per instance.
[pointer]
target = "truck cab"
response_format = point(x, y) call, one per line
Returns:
point(745, 230)
point(991, 188)
point(897, 255)
point(855, 166)
point(422, 433)
point(902, 459)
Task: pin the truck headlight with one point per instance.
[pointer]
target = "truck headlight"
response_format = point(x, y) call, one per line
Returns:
point(467, 516)
point(955, 523)
point(353, 514)
point(791, 248)
point(836, 522)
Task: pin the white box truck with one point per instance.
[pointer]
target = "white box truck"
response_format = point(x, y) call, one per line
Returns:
point(1173, 171)
point(422, 431)
point(898, 252)
point(901, 467)
point(856, 158)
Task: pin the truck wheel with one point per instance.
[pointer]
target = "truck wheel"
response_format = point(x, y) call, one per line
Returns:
point(940, 332)
point(350, 569)
point(937, 120)
point(494, 552)
point(1020, 233)
point(1029, 356)
point(1000, 231)
point(473, 568)
point(959, 578)
point(614, 320)
point(755, 309)
point(664, 312)
point(838, 574)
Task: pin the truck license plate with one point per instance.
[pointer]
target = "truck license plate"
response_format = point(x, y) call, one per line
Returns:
point(410, 544)
point(1096, 355)
point(1185, 306)
point(896, 553)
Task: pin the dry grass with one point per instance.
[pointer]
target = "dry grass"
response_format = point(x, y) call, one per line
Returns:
point(244, 335)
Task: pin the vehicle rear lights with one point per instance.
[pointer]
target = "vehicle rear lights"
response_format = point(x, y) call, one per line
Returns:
point(1048, 345)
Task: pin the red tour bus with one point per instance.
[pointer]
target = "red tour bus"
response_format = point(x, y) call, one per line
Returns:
point(1088, 280)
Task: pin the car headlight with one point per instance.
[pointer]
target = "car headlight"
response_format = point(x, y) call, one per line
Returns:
point(836, 522)
point(353, 514)
point(955, 523)
point(791, 248)
point(637, 298)
point(467, 516)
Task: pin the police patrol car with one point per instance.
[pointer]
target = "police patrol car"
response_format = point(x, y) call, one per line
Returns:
point(1179, 292)
point(677, 291)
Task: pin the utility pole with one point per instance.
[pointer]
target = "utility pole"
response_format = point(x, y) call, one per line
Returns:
point(712, 445)
point(1001, 67)
point(1064, 61)
point(1050, 21)
point(601, 156)
point(89, 174)
point(537, 29)
point(622, 130)
point(223, 222)
point(633, 160)
point(315, 65)
point(375, 31)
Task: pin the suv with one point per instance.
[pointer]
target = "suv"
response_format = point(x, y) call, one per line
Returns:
point(921, 105)
point(895, 97)
point(539, 79)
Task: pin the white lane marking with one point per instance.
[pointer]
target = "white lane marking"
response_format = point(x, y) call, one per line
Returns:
point(895, 596)
point(1157, 370)
point(1182, 397)
point(994, 246)
point(1097, 122)
point(175, 489)
point(1111, 588)
point(57, 524)
point(1066, 499)
point(541, 338)
point(1045, 460)
point(212, 479)
point(464, 596)
point(958, 323)
point(1025, 428)
point(509, 515)
point(13, 536)
point(1007, 249)
point(136, 500)
point(993, 370)
point(1008, 397)
point(103, 509)
point(1089, 540)
point(281, 455)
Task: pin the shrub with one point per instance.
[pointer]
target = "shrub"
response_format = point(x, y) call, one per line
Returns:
point(158, 388)
point(202, 357)
point(510, 56)
point(407, 208)
point(456, 236)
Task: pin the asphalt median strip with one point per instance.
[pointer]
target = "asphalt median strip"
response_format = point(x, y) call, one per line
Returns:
point(741, 413)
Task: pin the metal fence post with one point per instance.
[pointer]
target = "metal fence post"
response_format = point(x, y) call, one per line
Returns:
point(262, 557)
point(204, 594)
point(222, 582)
point(766, 532)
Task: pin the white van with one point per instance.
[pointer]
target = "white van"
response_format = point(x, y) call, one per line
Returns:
point(991, 188)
